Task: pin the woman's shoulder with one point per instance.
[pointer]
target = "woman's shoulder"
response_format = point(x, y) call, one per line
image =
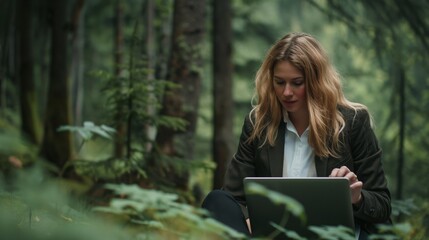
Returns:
point(353, 112)
point(353, 115)
point(250, 117)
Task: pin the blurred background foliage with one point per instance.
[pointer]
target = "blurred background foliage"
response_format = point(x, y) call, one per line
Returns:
point(379, 48)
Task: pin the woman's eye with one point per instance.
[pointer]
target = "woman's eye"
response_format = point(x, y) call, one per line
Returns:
point(279, 82)
point(298, 82)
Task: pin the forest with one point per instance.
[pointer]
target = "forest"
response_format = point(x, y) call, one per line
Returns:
point(117, 117)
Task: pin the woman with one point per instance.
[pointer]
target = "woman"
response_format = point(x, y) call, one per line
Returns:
point(303, 126)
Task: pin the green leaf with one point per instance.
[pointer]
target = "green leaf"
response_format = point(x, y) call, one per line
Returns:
point(333, 232)
point(289, 233)
point(149, 223)
point(88, 124)
point(290, 204)
point(89, 129)
point(85, 134)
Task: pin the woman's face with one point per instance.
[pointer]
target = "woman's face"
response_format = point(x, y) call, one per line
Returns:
point(289, 86)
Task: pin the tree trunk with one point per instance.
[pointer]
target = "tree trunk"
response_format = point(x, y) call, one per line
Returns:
point(121, 126)
point(222, 89)
point(149, 129)
point(57, 146)
point(185, 66)
point(163, 39)
point(30, 122)
point(402, 99)
point(8, 41)
point(77, 60)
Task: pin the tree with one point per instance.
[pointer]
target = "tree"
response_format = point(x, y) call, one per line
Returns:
point(222, 89)
point(185, 69)
point(77, 63)
point(57, 146)
point(30, 121)
point(150, 53)
point(7, 55)
point(121, 127)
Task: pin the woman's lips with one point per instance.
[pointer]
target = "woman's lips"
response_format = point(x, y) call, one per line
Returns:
point(289, 103)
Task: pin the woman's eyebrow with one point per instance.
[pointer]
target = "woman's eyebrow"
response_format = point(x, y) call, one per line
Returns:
point(292, 79)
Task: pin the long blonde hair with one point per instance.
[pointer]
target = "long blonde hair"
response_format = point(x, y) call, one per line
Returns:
point(323, 89)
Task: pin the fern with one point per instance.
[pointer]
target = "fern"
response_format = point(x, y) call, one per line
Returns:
point(159, 211)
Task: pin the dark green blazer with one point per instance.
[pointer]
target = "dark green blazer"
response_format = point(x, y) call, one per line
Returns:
point(360, 153)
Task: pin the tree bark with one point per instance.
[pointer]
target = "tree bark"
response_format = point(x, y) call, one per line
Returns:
point(57, 146)
point(121, 126)
point(222, 89)
point(77, 65)
point(185, 69)
point(150, 129)
point(30, 121)
point(8, 98)
point(402, 113)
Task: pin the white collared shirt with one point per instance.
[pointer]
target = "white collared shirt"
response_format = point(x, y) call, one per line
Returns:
point(298, 160)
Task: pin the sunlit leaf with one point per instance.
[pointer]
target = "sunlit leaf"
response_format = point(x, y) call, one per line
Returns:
point(333, 232)
point(289, 233)
point(88, 130)
point(290, 204)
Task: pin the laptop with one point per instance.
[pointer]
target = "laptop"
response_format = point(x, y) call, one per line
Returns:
point(326, 202)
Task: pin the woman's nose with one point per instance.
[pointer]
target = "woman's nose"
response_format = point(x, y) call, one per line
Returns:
point(288, 90)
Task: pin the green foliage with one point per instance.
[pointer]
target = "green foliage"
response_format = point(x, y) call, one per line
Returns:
point(157, 211)
point(182, 165)
point(110, 168)
point(137, 97)
point(408, 221)
point(288, 233)
point(35, 206)
point(89, 129)
point(174, 123)
point(395, 231)
point(12, 142)
point(133, 101)
point(16, 151)
point(334, 232)
point(289, 203)
point(410, 218)
point(400, 207)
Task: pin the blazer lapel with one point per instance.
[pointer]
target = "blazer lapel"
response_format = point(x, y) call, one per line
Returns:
point(276, 153)
point(276, 157)
point(321, 166)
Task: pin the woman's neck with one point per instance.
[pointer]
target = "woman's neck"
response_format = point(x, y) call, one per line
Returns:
point(300, 120)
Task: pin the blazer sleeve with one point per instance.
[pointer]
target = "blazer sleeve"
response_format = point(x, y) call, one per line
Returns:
point(241, 166)
point(366, 153)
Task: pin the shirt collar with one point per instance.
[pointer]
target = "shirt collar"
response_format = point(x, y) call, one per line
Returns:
point(285, 116)
point(289, 125)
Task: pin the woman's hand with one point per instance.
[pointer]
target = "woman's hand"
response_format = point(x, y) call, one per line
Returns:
point(355, 184)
